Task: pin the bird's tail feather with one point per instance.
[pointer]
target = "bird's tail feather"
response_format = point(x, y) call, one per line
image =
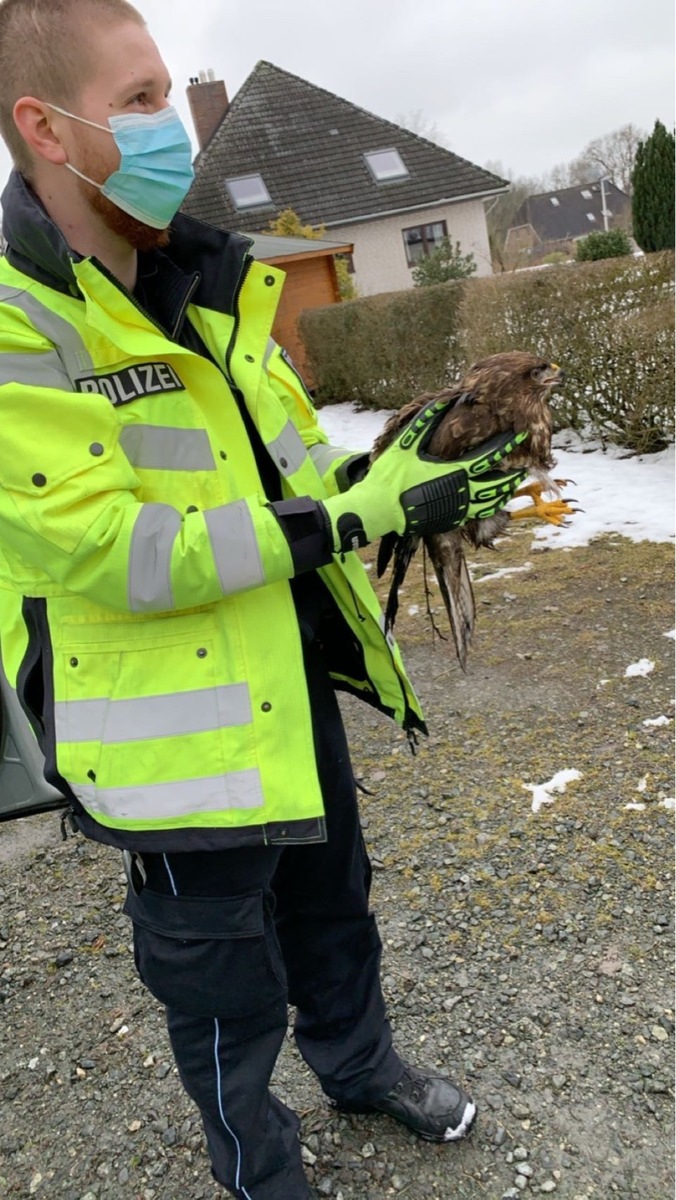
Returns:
point(450, 567)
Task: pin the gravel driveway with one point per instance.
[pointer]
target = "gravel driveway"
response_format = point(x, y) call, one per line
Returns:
point(527, 952)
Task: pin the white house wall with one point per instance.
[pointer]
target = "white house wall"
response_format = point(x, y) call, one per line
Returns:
point(379, 253)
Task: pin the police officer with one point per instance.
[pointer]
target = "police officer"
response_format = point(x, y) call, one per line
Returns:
point(181, 596)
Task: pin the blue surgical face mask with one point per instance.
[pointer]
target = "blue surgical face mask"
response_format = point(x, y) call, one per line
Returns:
point(155, 171)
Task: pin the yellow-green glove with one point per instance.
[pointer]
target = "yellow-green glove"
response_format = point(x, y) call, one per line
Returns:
point(408, 491)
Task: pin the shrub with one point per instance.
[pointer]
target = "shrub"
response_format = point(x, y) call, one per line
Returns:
point(591, 318)
point(555, 258)
point(446, 262)
point(609, 323)
point(382, 350)
point(611, 243)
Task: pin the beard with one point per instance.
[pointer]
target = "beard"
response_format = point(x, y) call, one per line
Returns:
point(140, 237)
point(123, 225)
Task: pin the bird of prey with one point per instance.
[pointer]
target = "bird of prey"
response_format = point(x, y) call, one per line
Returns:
point(503, 392)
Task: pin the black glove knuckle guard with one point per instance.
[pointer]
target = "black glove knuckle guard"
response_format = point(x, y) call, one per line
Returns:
point(436, 506)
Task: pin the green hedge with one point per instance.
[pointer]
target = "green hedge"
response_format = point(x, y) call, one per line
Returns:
point(610, 324)
point(383, 350)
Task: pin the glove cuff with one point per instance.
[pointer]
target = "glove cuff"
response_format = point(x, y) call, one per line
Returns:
point(307, 529)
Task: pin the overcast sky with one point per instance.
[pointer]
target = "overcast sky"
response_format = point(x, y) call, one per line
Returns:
point(522, 82)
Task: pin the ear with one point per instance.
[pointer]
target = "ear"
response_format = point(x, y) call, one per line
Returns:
point(35, 122)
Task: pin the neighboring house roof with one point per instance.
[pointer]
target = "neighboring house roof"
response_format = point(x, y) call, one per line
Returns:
point(572, 212)
point(268, 247)
point(309, 145)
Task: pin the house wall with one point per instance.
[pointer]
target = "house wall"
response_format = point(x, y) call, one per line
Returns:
point(379, 253)
point(310, 283)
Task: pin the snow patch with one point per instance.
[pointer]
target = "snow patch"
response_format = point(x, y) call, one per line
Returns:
point(670, 634)
point(501, 573)
point(542, 792)
point(669, 802)
point(658, 721)
point(643, 667)
point(637, 806)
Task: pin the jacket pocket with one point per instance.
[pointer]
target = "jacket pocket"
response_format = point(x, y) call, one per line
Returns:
point(208, 956)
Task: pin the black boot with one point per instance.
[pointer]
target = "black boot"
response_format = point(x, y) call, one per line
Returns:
point(430, 1104)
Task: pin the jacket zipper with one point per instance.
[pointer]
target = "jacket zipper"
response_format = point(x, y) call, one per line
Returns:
point(194, 284)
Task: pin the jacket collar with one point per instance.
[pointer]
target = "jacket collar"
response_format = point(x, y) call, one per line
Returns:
point(37, 247)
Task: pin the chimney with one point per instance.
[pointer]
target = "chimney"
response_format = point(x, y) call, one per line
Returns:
point(209, 103)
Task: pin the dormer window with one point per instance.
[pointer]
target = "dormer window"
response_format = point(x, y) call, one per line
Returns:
point(386, 165)
point(248, 191)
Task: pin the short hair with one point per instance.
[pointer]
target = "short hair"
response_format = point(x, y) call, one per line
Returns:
point(37, 43)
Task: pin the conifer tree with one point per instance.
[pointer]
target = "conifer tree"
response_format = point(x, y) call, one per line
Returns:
point(653, 191)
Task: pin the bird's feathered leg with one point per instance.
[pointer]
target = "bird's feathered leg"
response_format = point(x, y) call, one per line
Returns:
point(450, 567)
point(428, 598)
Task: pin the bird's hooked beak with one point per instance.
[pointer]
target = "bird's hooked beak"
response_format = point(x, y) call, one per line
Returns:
point(549, 376)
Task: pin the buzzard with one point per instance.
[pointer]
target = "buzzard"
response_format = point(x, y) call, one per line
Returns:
point(503, 392)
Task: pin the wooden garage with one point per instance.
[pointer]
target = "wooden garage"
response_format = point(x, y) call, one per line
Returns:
point(311, 282)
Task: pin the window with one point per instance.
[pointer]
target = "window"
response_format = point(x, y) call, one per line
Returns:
point(385, 165)
point(586, 194)
point(248, 191)
point(591, 217)
point(421, 240)
point(554, 201)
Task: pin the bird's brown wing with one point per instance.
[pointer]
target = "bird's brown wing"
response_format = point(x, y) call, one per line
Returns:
point(398, 420)
point(450, 567)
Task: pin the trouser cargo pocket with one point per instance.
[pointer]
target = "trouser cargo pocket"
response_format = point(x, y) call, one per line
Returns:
point(207, 956)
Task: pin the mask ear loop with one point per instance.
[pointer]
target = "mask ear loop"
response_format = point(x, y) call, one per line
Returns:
point(83, 120)
point(85, 177)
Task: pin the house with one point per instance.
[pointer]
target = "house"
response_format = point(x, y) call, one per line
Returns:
point(285, 143)
point(311, 282)
point(555, 220)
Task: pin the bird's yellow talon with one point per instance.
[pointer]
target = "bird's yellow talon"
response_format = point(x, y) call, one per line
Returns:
point(552, 511)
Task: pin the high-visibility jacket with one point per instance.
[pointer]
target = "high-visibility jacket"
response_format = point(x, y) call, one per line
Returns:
point(147, 619)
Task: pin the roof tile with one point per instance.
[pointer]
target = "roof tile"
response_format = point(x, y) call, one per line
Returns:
point(281, 126)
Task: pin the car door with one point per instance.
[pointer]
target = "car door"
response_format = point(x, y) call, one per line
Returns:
point(23, 789)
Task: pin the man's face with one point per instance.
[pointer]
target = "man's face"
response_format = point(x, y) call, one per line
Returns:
point(126, 75)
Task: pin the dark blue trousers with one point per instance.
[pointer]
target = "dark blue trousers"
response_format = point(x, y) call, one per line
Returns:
point(226, 940)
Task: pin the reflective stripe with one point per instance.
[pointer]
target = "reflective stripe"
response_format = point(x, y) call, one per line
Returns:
point(323, 456)
point(34, 370)
point(155, 531)
point(234, 546)
point(165, 801)
point(147, 717)
point(269, 351)
point(160, 447)
point(288, 450)
point(69, 345)
point(387, 633)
